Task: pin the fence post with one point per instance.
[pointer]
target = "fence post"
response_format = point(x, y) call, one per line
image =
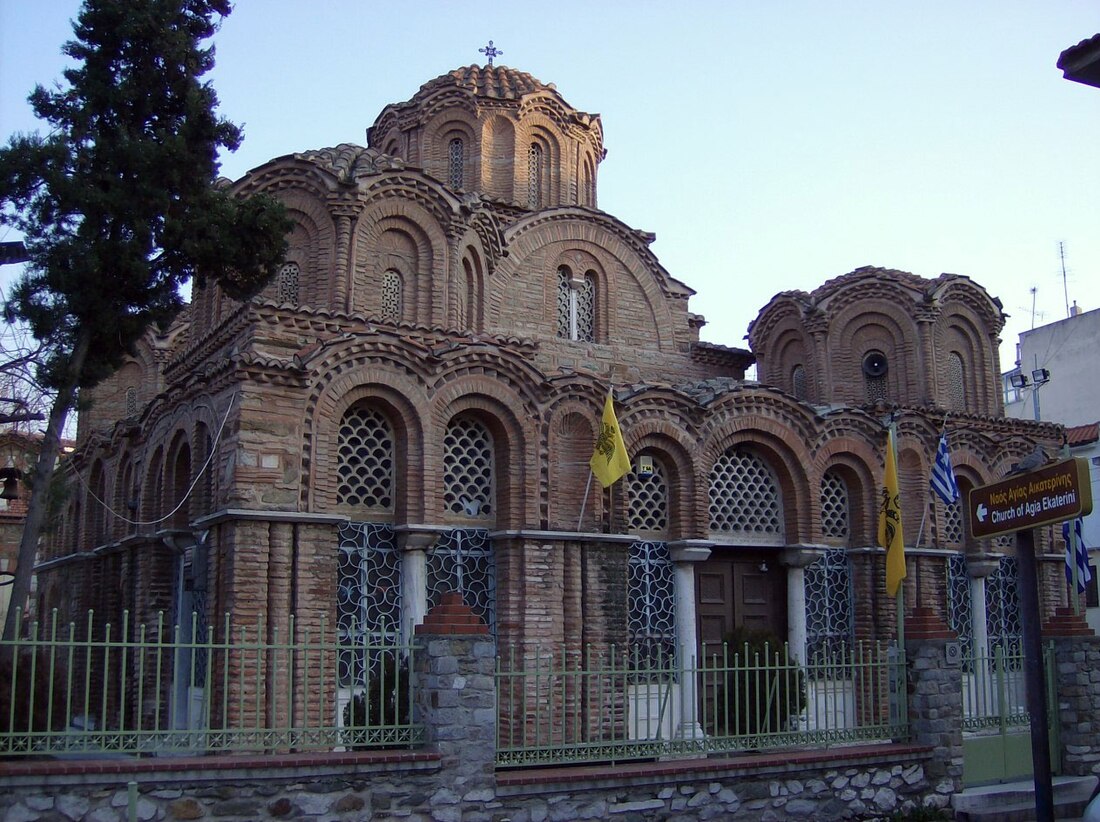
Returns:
point(935, 695)
point(455, 667)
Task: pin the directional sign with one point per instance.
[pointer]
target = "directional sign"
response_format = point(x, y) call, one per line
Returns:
point(1054, 493)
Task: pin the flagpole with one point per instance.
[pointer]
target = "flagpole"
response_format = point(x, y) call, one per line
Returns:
point(584, 502)
point(1071, 546)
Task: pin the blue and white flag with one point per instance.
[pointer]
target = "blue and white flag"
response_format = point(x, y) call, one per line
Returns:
point(943, 475)
point(1083, 572)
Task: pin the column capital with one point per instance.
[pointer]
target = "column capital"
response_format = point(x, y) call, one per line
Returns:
point(799, 556)
point(981, 565)
point(689, 550)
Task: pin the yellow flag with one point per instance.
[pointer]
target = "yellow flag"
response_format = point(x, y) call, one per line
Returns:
point(889, 521)
point(609, 461)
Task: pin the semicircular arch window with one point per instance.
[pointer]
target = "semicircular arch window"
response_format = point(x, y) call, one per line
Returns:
point(365, 460)
point(744, 497)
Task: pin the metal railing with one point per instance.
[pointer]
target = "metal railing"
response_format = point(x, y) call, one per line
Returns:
point(995, 687)
point(609, 705)
point(273, 685)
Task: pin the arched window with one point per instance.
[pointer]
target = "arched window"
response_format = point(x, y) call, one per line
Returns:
point(875, 368)
point(131, 402)
point(798, 382)
point(953, 532)
point(365, 460)
point(288, 284)
point(744, 498)
point(956, 382)
point(455, 158)
point(468, 486)
point(647, 492)
point(534, 176)
point(576, 306)
point(834, 508)
point(391, 296)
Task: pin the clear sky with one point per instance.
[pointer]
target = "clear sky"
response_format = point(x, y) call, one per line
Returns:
point(770, 145)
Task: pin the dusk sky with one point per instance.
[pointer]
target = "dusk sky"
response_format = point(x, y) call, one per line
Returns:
point(769, 145)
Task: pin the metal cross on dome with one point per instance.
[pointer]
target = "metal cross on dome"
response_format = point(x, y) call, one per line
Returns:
point(491, 51)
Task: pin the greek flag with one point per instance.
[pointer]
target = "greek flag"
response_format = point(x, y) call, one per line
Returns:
point(1083, 572)
point(943, 476)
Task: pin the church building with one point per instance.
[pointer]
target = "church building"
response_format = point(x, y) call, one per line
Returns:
point(410, 406)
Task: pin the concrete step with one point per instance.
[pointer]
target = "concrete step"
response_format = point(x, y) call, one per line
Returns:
point(1015, 801)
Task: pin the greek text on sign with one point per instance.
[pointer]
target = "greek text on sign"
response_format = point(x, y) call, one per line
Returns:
point(1053, 493)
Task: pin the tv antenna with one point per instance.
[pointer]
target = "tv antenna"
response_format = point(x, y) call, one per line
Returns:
point(1065, 285)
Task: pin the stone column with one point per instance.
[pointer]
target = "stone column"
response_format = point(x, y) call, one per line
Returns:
point(455, 669)
point(414, 580)
point(684, 556)
point(1078, 689)
point(978, 569)
point(796, 559)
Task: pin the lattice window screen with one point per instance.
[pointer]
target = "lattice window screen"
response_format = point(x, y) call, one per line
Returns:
point(830, 621)
point(652, 613)
point(956, 382)
point(365, 467)
point(288, 284)
point(648, 507)
point(455, 158)
point(952, 526)
point(468, 469)
point(368, 598)
point(391, 296)
point(834, 507)
point(959, 614)
point(744, 497)
point(534, 176)
point(586, 309)
point(131, 402)
point(462, 561)
point(1002, 604)
point(564, 301)
point(798, 382)
point(876, 388)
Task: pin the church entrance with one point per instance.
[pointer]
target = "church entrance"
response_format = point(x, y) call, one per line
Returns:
point(739, 588)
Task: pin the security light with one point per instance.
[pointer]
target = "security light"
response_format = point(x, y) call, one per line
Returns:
point(1017, 380)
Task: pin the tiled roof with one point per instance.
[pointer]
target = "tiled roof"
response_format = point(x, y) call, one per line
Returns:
point(500, 82)
point(1083, 434)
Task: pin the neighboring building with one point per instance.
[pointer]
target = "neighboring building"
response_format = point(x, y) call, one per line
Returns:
point(1057, 364)
point(18, 450)
point(410, 408)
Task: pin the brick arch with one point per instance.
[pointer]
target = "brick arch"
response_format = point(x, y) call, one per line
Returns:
point(527, 266)
point(498, 155)
point(571, 433)
point(507, 419)
point(957, 330)
point(405, 237)
point(404, 402)
point(878, 327)
point(311, 244)
point(857, 461)
point(538, 129)
point(791, 351)
point(673, 447)
point(435, 146)
point(780, 448)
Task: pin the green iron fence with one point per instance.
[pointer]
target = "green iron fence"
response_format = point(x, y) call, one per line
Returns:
point(156, 689)
point(590, 705)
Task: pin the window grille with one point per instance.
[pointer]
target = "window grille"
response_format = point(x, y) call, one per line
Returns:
point(652, 617)
point(586, 309)
point(455, 164)
point(565, 301)
point(368, 597)
point(365, 467)
point(744, 498)
point(131, 402)
point(1002, 595)
point(391, 296)
point(834, 507)
point(288, 284)
point(534, 177)
point(798, 382)
point(462, 561)
point(468, 469)
point(830, 622)
point(952, 525)
point(648, 495)
point(959, 614)
point(876, 388)
point(956, 382)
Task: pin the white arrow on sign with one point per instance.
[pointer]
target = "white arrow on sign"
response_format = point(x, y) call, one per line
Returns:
point(981, 512)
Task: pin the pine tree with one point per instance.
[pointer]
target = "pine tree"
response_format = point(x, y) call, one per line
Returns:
point(119, 205)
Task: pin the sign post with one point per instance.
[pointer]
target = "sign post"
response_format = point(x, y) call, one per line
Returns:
point(1020, 504)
